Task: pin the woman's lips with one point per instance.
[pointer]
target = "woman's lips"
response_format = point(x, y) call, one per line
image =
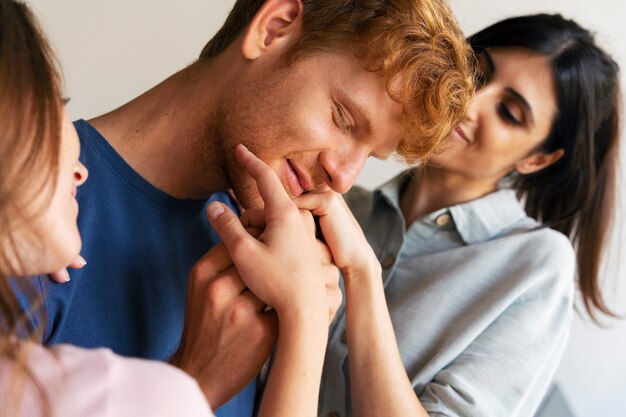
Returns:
point(461, 135)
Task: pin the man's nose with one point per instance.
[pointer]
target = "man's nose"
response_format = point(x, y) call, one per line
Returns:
point(343, 170)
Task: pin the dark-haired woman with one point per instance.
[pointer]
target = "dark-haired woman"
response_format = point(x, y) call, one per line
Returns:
point(471, 315)
point(39, 176)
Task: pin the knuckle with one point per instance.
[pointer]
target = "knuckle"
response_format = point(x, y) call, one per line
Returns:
point(217, 289)
point(199, 271)
point(240, 247)
point(258, 332)
point(238, 315)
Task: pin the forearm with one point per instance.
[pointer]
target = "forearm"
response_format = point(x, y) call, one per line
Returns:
point(293, 385)
point(378, 381)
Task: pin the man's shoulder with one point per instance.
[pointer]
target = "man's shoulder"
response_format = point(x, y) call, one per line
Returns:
point(85, 130)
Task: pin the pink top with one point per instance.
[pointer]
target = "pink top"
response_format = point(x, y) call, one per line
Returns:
point(95, 383)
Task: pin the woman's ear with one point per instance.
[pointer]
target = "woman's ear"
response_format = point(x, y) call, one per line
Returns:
point(277, 24)
point(538, 161)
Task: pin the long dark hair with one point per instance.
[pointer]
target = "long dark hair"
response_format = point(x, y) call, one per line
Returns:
point(576, 195)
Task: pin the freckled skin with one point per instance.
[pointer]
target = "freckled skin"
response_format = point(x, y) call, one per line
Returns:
point(299, 101)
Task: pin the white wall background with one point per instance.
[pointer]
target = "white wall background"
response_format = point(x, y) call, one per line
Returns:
point(113, 50)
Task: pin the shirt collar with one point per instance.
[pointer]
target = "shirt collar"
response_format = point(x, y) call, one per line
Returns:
point(476, 221)
point(486, 217)
point(390, 191)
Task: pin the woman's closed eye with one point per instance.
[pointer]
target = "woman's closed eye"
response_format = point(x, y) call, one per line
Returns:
point(509, 114)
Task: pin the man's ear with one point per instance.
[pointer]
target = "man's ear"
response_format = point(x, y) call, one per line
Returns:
point(277, 23)
point(538, 161)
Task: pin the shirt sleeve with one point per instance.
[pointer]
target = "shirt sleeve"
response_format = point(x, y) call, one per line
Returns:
point(73, 382)
point(148, 388)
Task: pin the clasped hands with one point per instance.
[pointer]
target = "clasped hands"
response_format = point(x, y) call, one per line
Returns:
point(269, 257)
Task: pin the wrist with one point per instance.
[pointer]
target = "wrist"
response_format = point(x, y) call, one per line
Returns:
point(366, 270)
point(300, 316)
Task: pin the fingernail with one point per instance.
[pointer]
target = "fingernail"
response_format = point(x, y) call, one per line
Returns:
point(65, 275)
point(81, 260)
point(215, 210)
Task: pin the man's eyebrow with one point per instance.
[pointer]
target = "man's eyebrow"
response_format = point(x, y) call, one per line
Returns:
point(523, 102)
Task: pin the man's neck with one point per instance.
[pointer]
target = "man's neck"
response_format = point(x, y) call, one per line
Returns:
point(162, 134)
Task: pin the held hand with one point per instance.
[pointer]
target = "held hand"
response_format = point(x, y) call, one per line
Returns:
point(255, 218)
point(283, 268)
point(350, 250)
point(227, 336)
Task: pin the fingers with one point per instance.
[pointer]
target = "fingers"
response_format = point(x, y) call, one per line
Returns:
point(308, 221)
point(251, 299)
point(78, 262)
point(254, 232)
point(224, 288)
point(213, 262)
point(325, 254)
point(253, 217)
point(231, 194)
point(270, 188)
point(331, 276)
point(318, 203)
point(61, 276)
point(334, 295)
point(238, 242)
point(335, 299)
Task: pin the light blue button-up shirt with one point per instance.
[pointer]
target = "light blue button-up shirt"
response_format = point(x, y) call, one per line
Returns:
point(480, 298)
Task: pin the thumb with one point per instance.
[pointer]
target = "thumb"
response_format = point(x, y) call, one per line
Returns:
point(238, 242)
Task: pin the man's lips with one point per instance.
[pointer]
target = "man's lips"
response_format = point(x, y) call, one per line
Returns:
point(293, 180)
point(303, 179)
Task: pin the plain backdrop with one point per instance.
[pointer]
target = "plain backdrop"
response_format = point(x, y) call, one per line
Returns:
point(113, 50)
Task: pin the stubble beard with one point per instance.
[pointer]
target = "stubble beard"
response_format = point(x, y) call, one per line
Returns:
point(225, 136)
point(248, 114)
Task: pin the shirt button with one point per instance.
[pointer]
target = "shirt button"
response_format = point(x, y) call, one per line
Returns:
point(333, 414)
point(387, 262)
point(443, 220)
